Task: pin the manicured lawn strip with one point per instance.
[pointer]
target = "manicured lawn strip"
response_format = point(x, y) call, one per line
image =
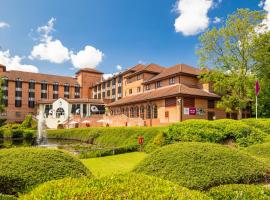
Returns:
point(109, 165)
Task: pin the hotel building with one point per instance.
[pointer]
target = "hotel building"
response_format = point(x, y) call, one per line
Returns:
point(144, 95)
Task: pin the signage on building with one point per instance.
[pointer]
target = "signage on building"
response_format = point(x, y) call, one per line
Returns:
point(186, 111)
point(192, 111)
point(200, 111)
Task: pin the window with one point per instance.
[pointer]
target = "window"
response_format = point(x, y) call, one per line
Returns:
point(171, 81)
point(18, 92)
point(99, 96)
point(130, 91)
point(66, 90)
point(75, 109)
point(60, 112)
point(148, 112)
point(159, 84)
point(5, 90)
point(142, 112)
point(155, 112)
point(31, 94)
point(147, 87)
point(113, 81)
point(211, 104)
point(170, 102)
point(189, 102)
point(95, 89)
point(139, 77)
point(138, 89)
point(103, 94)
point(103, 85)
point(108, 93)
point(108, 83)
point(95, 96)
point(44, 86)
point(99, 87)
point(132, 112)
point(84, 109)
point(211, 115)
point(77, 91)
point(136, 112)
point(120, 79)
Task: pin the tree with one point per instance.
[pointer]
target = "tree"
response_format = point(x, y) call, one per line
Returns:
point(261, 56)
point(228, 51)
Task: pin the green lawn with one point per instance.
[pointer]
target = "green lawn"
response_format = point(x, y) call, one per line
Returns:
point(109, 165)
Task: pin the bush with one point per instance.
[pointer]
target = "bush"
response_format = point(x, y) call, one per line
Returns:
point(108, 151)
point(202, 165)
point(214, 131)
point(261, 151)
point(1, 134)
point(108, 136)
point(126, 186)
point(239, 192)
point(22, 168)
point(29, 134)
point(262, 124)
point(7, 197)
point(16, 133)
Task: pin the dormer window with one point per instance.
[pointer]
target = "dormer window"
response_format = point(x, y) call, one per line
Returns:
point(159, 84)
point(147, 87)
point(171, 81)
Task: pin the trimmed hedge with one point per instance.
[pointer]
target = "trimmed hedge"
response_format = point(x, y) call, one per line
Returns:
point(202, 165)
point(108, 152)
point(112, 137)
point(22, 168)
point(240, 192)
point(261, 151)
point(214, 131)
point(126, 186)
point(7, 197)
point(262, 124)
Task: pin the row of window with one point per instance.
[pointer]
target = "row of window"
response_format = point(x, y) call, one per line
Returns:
point(103, 94)
point(148, 111)
point(158, 84)
point(108, 84)
point(31, 92)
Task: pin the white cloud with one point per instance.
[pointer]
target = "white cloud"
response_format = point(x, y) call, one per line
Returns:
point(119, 67)
point(89, 57)
point(53, 51)
point(15, 62)
point(266, 7)
point(48, 48)
point(4, 25)
point(107, 76)
point(216, 20)
point(193, 17)
point(261, 4)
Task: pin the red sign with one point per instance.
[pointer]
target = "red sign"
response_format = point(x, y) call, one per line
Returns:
point(192, 111)
point(140, 140)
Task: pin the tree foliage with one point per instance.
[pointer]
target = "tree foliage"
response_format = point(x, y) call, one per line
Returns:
point(228, 50)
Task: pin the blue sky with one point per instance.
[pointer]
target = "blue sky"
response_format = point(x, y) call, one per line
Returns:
point(123, 32)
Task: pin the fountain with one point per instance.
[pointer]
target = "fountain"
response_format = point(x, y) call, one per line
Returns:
point(41, 138)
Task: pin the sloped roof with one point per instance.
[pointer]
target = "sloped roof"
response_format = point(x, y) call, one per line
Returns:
point(89, 70)
point(180, 68)
point(165, 92)
point(38, 77)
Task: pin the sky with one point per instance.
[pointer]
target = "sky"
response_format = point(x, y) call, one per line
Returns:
point(60, 37)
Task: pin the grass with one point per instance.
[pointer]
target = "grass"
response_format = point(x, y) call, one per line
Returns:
point(110, 165)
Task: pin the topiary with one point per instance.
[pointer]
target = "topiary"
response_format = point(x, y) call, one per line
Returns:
point(22, 168)
point(126, 186)
point(239, 192)
point(216, 131)
point(202, 165)
point(7, 197)
point(261, 151)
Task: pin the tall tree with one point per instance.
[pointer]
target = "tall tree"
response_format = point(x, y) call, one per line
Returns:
point(228, 51)
point(261, 56)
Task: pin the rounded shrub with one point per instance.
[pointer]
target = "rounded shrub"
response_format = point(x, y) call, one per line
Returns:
point(261, 151)
point(7, 197)
point(126, 186)
point(22, 168)
point(216, 131)
point(202, 165)
point(262, 124)
point(240, 192)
